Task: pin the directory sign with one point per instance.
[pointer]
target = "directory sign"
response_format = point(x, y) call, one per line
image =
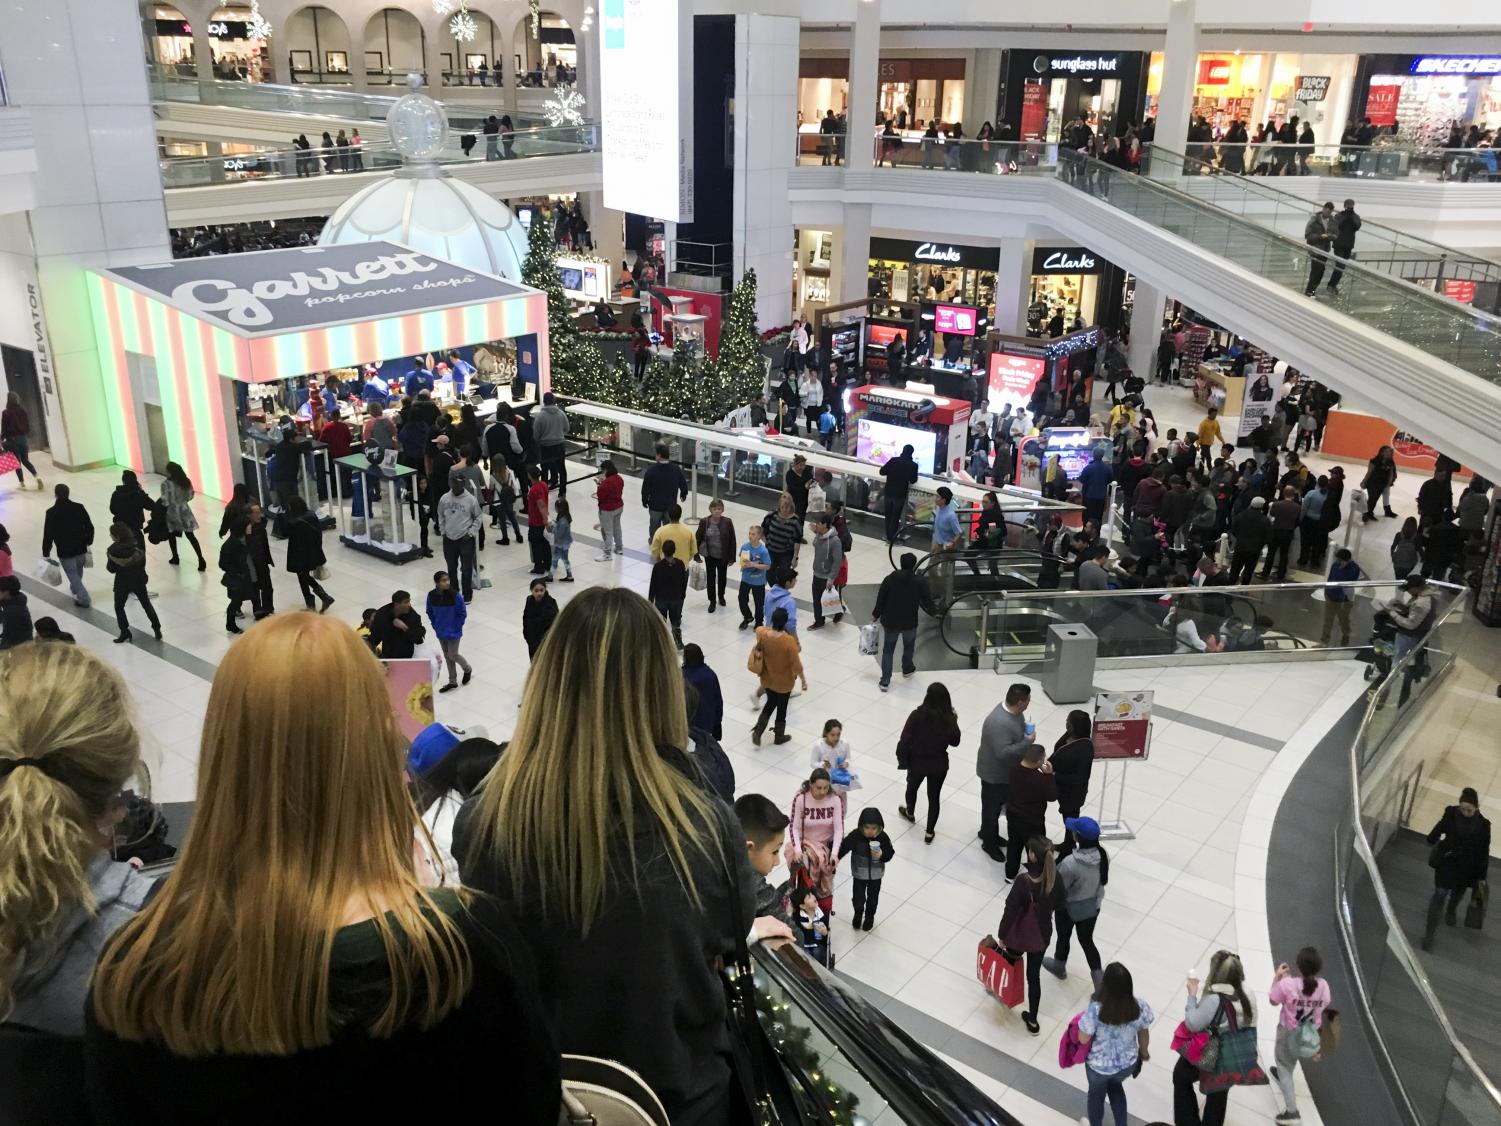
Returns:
point(646, 107)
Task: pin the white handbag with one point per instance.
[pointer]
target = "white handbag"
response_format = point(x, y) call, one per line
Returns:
point(600, 1092)
point(698, 575)
point(870, 639)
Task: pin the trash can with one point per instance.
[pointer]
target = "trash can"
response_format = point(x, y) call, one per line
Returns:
point(1068, 664)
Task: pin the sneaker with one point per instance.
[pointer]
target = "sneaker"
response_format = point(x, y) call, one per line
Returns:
point(1289, 1116)
point(605, 558)
point(568, 578)
point(905, 813)
point(746, 623)
point(816, 625)
point(908, 675)
point(468, 675)
point(885, 687)
point(449, 687)
point(1055, 967)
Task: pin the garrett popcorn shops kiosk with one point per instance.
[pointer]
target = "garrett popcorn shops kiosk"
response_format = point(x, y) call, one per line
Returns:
point(884, 419)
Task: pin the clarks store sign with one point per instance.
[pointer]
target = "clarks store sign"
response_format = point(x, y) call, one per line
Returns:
point(1065, 260)
point(935, 253)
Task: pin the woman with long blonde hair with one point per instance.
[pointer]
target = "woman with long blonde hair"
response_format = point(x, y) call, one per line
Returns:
point(1224, 997)
point(67, 747)
point(294, 958)
point(619, 864)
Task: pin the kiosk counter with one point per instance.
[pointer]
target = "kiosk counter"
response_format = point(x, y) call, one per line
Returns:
point(884, 419)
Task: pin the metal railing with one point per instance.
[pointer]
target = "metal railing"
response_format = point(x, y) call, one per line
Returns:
point(1165, 625)
point(1456, 334)
point(912, 150)
point(1436, 1073)
point(186, 172)
point(1393, 160)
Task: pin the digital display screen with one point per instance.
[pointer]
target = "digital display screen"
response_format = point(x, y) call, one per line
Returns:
point(884, 334)
point(879, 442)
point(957, 319)
point(1013, 379)
point(592, 288)
point(572, 279)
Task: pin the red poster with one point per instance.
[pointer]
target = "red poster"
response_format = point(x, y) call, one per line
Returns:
point(1013, 379)
point(1381, 103)
point(1461, 291)
point(1034, 110)
point(1122, 724)
point(956, 319)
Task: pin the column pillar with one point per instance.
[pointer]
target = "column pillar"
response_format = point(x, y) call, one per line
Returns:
point(1180, 62)
point(854, 249)
point(1146, 329)
point(434, 32)
point(865, 65)
point(1012, 281)
point(203, 50)
point(607, 227)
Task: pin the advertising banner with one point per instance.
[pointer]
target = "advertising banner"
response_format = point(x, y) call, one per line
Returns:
point(1251, 413)
point(409, 682)
point(1034, 110)
point(1122, 725)
point(1014, 378)
point(1381, 102)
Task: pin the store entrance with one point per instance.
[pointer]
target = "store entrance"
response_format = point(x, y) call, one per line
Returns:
point(20, 377)
point(1093, 99)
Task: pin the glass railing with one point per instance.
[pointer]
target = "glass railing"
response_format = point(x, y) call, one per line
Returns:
point(189, 172)
point(1259, 199)
point(845, 1061)
point(1389, 761)
point(912, 150)
point(1188, 624)
point(1454, 333)
point(1394, 161)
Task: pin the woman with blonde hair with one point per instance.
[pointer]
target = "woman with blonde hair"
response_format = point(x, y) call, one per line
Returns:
point(67, 747)
point(782, 530)
point(1211, 1011)
point(619, 865)
point(294, 957)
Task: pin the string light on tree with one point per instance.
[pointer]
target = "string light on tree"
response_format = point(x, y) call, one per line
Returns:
point(257, 26)
point(462, 27)
point(565, 107)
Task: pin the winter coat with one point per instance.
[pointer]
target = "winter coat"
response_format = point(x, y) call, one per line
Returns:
point(710, 714)
point(234, 562)
point(180, 517)
point(863, 866)
point(67, 528)
point(447, 612)
point(715, 766)
point(536, 619)
point(1072, 763)
point(1461, 852)
point(925, 741)
point(1082, 875)
point(304, 543)
point(393, 643)
point(662, 486)
point(897, 601)
point(130, 505)
point(1027, 922)
point(15, 621)
point(728, 544)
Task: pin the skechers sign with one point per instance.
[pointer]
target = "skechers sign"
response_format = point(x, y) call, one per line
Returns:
point(1076, 64)
point(1064, 260)
point(1457, 64)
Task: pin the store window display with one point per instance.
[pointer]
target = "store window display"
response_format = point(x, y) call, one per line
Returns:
point(932, 272)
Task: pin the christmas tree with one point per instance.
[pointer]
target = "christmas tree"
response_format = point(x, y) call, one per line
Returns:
point(738, 375)
point(577, 364)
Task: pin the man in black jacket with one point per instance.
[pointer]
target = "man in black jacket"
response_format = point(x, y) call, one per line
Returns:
point(130, 505)
point(902, 593)
point(237, 576)
point(1346, 223)
point(397, 629)
point(662, 486)
point(901, 474)
point(1252, 530)
point(69, 529)
point(15, 616)
point(258, 545)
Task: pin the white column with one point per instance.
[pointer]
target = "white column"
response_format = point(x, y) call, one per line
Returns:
point(1011, 284)
point(1180, 63)
point(854, 252)
point(865, 65)
point(203, 49)
point(766, 56)
point(102, 204)
point(1146, 329)
point(608, 229)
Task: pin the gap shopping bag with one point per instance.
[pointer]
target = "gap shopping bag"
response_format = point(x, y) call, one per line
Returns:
point(1005, 979)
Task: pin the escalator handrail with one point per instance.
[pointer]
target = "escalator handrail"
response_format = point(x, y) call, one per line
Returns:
point(1425, 297)
point(1252, 186)
point(913, 1081)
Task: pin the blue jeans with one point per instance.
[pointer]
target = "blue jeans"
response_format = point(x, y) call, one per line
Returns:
point(888, 649)
point(1102, 1087)
point(73, 568)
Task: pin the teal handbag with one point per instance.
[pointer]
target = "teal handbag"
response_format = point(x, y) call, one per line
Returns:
point(1229, 1058)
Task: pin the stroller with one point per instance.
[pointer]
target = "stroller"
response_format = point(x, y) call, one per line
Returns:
point(818, 947)
point(1383, 647)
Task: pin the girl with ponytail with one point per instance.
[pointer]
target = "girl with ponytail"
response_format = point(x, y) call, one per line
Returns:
point(1027, 922)
point(67, 748)
point(1303, 998)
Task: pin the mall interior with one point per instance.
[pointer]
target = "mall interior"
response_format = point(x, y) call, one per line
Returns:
point(1030, 327)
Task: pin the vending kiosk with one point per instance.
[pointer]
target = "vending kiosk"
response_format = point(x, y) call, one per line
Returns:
point(884, 419)
point(1019, 363)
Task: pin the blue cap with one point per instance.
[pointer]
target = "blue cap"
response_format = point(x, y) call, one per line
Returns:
point(430, 747)
point(1086, 828)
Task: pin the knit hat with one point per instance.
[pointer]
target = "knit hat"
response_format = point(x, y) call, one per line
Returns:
point(430, 747)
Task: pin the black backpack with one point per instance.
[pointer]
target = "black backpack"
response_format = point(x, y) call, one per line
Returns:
point(142, 833)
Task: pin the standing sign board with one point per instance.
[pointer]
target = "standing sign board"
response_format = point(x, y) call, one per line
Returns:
point(1122, 734)
point(647, 146)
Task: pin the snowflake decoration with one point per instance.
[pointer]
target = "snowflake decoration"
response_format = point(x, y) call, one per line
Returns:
point(566, 107)
point(257, 26)
point(443, 7)
point(462, 27)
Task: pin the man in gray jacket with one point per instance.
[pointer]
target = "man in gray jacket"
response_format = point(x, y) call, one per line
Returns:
point(1003, 739)
point(459, 522)
point(1318, 233)
point(550, 429)
point(828, 557)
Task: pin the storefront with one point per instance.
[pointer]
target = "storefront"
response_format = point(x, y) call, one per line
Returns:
point(1042, 92)
point(180, 343)
point(910, 91)
point(1256, 87)
point(934, 272)
point(1423, 96)
point(1067, 279)
point(813, 274)
point(236, 55)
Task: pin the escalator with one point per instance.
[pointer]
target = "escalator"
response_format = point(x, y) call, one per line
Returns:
point(1411, 354)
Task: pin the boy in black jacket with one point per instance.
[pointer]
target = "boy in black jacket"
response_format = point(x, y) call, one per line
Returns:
point(873, 851)
point(764, 827)
point(669, 588)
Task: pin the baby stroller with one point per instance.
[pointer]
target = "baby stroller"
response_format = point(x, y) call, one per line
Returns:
point(1383, 647)
point(819, 948)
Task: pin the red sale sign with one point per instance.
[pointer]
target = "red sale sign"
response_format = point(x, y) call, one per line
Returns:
point(957, 319)
point(1014, 378)
point(1381, 103)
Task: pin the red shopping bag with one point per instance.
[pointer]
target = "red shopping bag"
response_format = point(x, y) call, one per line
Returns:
point(9, 463)
point(1005, 979)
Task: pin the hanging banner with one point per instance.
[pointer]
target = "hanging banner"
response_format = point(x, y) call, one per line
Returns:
point(1034, 111)
point(1381, 101)
point(1122, 725)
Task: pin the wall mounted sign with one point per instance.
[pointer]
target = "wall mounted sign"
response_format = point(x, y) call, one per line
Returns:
point(1087, 63)
point(1381, 101)
point(1457, 64)
point(1065, 260)
point(217, 29)
point(1311, 88)
point(935, 253)
point(1215, 72)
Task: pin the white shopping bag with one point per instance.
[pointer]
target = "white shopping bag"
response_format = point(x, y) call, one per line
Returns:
point(870, 639)
point(698, 576)
point(832, 602)
point(48, 571)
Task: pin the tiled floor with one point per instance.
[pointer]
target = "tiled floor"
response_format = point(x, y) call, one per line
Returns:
point(1178, 891)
